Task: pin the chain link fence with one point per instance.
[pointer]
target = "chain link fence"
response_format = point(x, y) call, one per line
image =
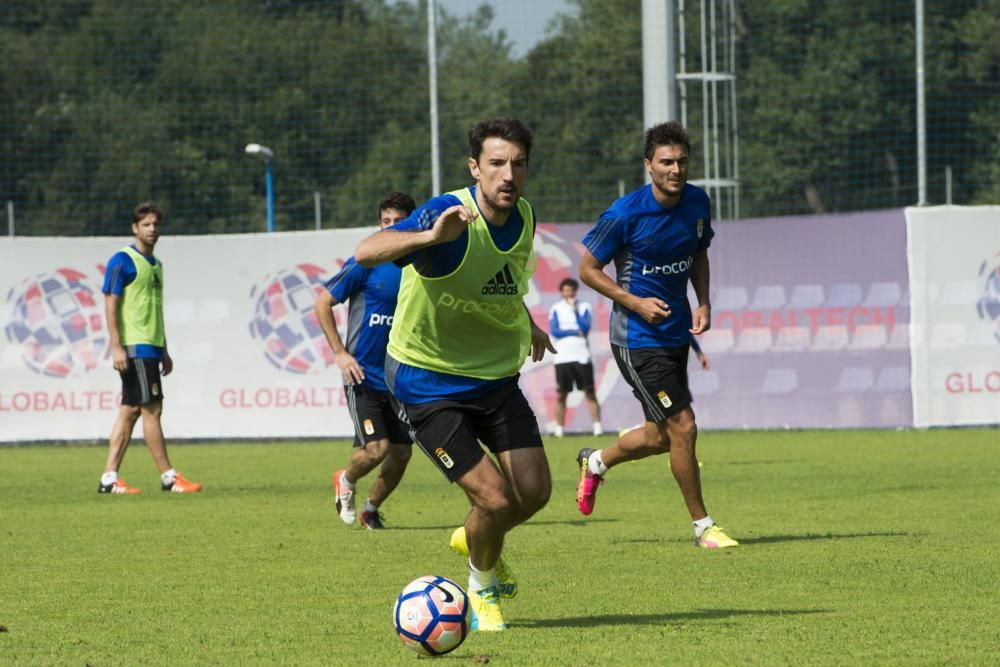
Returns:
point(105, 103)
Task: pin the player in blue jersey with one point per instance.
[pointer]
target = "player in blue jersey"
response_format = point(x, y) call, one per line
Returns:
point(379, 435)
point(458, 342)
point(133, 305)
point(658, 238)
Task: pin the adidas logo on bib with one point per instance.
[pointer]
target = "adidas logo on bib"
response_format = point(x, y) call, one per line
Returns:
point(502, 283)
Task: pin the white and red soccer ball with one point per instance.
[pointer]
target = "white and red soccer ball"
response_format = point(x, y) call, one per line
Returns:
point(432, 615)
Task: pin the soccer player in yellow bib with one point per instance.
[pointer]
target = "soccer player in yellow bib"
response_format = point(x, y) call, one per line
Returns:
point(133, 305)
point(459, 337)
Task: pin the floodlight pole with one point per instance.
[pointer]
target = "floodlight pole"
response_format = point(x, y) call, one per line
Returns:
point(267, 155)
point(659, 63)
point(270, 196)
point(432, 85)
point(921, 109)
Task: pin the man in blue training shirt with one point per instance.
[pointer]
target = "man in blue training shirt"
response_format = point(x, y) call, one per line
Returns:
point(133, 305)
point(379, 435)
point(658, 238)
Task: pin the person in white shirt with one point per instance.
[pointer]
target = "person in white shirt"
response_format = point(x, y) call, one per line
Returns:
point(569, 324)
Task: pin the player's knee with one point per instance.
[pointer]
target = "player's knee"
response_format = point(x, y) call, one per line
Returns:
point(536, 497)
point(498, 504)
point(400, 453)
point(378, 449)
point(656, 438)
point(131, 412)
point(683, 428)
point(154, 409)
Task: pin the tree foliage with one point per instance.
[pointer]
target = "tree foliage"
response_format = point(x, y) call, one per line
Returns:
point(105, 103)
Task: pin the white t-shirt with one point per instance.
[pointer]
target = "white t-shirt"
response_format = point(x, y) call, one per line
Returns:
point(571, 348)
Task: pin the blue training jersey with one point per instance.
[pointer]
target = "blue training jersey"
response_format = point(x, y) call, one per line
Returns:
point(371, 298)
point(119, 274)
point(653, 249)
point(410, 384)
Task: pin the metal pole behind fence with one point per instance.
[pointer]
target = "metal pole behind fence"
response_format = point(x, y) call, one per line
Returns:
point(318, 209)
point(270, 197)
point(921, 111)
point(10, 218)
point(947, 184)
point(433, 86)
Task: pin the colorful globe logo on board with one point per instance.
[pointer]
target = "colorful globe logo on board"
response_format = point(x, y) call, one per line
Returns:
point(58, 320)
point(988, 305)
point(284, 322)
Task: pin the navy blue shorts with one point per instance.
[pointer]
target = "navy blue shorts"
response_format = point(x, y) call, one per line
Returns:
point(450, 431)
point(658, 377)
point(374, 417)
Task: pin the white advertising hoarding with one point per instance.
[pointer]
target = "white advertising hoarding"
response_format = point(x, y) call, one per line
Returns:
point(249, 360)
point(954, 264)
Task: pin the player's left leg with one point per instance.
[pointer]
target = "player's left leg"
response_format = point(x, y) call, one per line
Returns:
point(682, 434)
point(586, 384)
point(560, 413)
point(389, 476)
point(527, 472)
point(152, 432)
point(492, 514)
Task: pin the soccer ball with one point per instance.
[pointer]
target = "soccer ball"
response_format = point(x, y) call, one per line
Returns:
point(432, 615)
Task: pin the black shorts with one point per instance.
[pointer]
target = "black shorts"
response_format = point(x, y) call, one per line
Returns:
point(658, 377)
point(374, 417)
point(574, 373)
point(141, 382)
point(449, 431)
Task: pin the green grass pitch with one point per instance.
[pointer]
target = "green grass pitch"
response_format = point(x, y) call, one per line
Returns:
point(858, 547)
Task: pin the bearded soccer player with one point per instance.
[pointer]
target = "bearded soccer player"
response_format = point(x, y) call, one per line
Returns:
point(658, 237)
point(133, 305)
point(459, 338)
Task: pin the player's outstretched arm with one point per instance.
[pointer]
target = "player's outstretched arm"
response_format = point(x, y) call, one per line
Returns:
point(592, 274)
point(389, 245)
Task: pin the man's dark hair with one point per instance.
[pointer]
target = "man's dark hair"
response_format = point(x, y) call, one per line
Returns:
point(671, 133)
point(399, 201)
point(569, 281)
point(144, 209)
point(509, 129)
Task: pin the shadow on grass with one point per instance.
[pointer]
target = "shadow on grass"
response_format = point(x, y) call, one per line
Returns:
point(754, 463)
point(574, 522)
point(656, 619)
point(569, 522)
point(770, 539)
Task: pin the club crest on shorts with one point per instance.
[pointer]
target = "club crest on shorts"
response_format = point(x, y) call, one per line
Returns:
point(664, 399)
point(369, 427)
point(444, 458)
point(155, 389)
point(701, 227)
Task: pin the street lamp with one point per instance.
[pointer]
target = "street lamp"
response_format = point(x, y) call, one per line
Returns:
point(267, 155)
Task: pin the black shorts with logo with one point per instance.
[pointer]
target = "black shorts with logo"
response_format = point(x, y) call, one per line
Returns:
point(574, 373)
point(141, 382)
point(658, 377)
point(374, 417)
point(449, 431)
